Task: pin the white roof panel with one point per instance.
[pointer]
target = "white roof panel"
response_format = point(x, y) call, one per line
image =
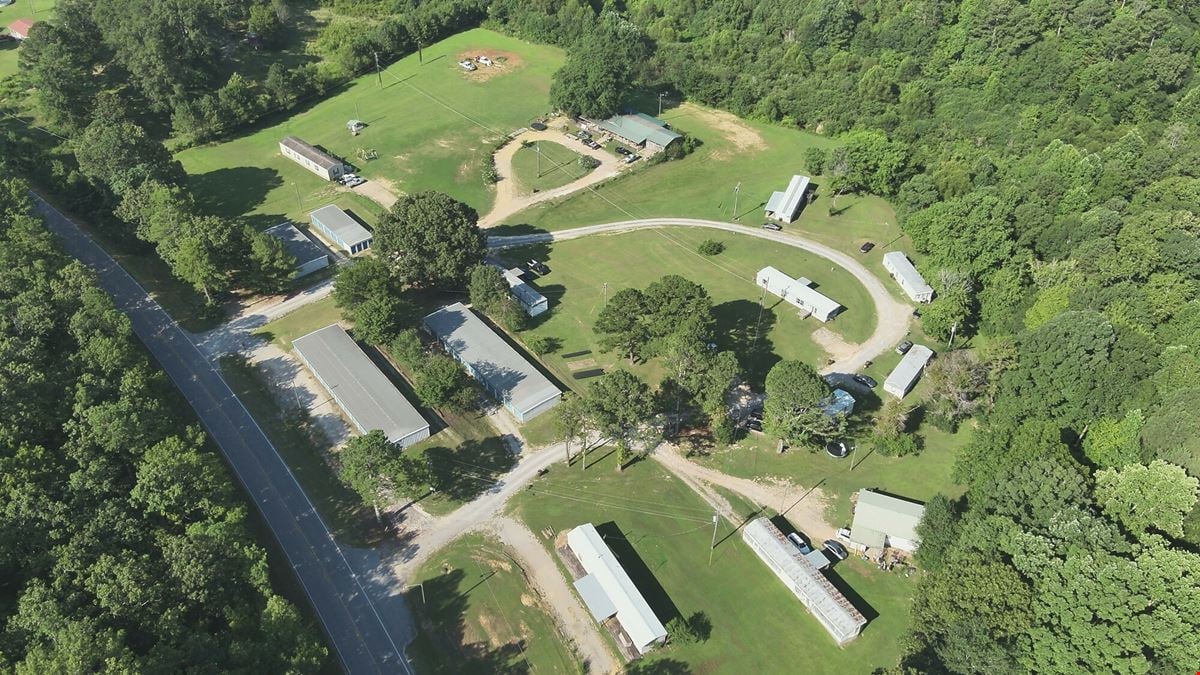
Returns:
point(797, 292)
point(889, 515)
point(792, 196)
point(908, 370)
point(634, 613)
point(912, 281)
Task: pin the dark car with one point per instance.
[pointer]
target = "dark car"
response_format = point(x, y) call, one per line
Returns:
point(903, 347)
point(622, 151)
point(537, 126)
point(836, 549)
point(866, 247)
point(866, 381)
point(754, 425)
point(592, 144)
point(837, 449)
point(585, 134)
point(537, 267)
point(775, 227)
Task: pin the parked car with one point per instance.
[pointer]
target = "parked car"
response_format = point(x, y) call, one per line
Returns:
point(622, 151)
point(799, 542)
point(356, 182)
point(837, 449)
point(537, 126)
point(346, 178)
point(775, 227)
point(843, 533)
point(537, 267)
point(631, 159)
point(467, 64)
point(903, 347)
point(835, 548)
point(484, 60)
point(585, 134)
point(756, 415)
point(591, 144)
point(754, 425)
point(866, 247)
point(866, 381)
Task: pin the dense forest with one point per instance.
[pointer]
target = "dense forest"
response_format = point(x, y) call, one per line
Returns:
point(124, 544)
point(1042, 155)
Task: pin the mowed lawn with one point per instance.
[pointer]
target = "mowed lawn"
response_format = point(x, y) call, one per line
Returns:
point(661, 531)
point(557, 166)
point(37, 10)
point(580, 268)
point(432, 126)
point(761, 157)
point(478, 614)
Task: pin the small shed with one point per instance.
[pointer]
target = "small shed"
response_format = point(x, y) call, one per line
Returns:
point(785, 206)
point(309, 255)
point(906, 373)
point(902, 270)
point(19, 29)
point(341, 228)
point(356, 126)
point(882, 521)
point(533, 302)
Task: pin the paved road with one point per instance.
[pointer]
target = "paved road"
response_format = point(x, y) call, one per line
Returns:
point(365, 631)
point(892, 316)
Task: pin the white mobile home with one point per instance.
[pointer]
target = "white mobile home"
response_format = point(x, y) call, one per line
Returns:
point(531, 301)
point(608, 591)
point(786, 205)
point(906, 373)
point(902, 270)
point(798, 292)
point(341, 229)
point(312, 158)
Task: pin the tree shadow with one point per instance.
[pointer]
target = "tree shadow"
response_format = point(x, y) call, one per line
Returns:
point(513, 230)
point(744, 329)
point(235, 191)
point(658, 667)
point(474, 467)
point(656, 596)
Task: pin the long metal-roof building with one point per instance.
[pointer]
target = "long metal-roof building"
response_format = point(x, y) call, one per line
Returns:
point(364, 393)
point(798, 292)
point(785, 205)
point(906, 373)
point(312, 158)
point(608, 591)
point(640, 129)
point(341, 229)
point(834, 612)
point(309, 256)
point(881, 520)
point(507, 375)
point(902, 270)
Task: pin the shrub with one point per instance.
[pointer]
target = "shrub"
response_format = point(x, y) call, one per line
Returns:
point(710, 247)
point(588, 162)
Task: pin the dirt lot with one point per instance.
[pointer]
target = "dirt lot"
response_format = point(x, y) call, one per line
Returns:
point(745, 138)
point(502, 62)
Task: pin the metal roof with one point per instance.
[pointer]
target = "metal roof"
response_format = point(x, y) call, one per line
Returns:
point(311, 152)
point(367, 396)
point(525, 294)
point(632, 610)
point(797, 292)
point(907, 275)
point(598, 603)
point(349, 230)
point(817, 558)
point(775, 202)
point(792, 198)
point(639, 128)
point(822, 599)
point(505, 372)
point(299, 246)
point(902, 377)
point(840, 402)
point(889, 515)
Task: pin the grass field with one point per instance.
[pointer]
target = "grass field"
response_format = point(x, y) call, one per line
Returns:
point(559, 166)
point(580, 268)
point(662, 535)
point(761, 157)
point(479, 615)
point(432, 125)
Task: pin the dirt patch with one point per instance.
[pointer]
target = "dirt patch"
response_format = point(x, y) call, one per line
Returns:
point(502, 63)
point(528, 600)
point(444, 143)
point(581, 364)
point(833, 344)
point(737, 132)
point(492, 627)
point(469, 168)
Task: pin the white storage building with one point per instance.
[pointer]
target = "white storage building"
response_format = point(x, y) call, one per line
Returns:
point(798, 292)
point(902, 270)
point(312, 158)
point(906, 373)
point(608, 591)
point(532, 302)
point(341, 229)
point(366, 395)
point(823, 600)
point(883, 521)
point(507, 375)
point(786, 205)
point(309, 255)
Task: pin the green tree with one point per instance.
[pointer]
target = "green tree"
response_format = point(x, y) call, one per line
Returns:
point(115, 153)
point(489, 292)
point(792, 407)
point(620, 323)
point(271, 264)
point(430, 240)
point(441, 382)
point(266, 23)
point(1150, 497)
point(598, 73)
point(364, 460)
point(621, 406)
point(179, 481)
point(571, 421)
point(1114, 443)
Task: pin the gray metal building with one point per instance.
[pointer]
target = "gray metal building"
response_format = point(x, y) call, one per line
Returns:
point(309, 255)
point(507, 375)
point(344, 231)
point(364, 393)
point(312, 158)
point(904, 376)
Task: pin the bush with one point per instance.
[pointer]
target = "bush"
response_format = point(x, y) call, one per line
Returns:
point(898, 446)
point(587, 162)
point(710, 247)
point(691, 630)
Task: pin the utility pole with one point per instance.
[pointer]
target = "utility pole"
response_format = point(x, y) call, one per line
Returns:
point(537, 149)
point(299, 200)
point(378, 72)
point(357, 114)
point(737, 189)
point(713, 545)
point(420, 54)
point(660, 98)
point(606, 294)
point(853, 456)
point(953, 329)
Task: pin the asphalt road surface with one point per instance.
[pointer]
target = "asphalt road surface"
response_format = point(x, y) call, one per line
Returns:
point(365, 631)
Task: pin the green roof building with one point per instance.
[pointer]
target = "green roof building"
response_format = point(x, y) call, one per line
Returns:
point(641, 130)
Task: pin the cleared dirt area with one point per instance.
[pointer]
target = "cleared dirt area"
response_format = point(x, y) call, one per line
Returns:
point(837, 347)
point(737, 132)
point(502, 63)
